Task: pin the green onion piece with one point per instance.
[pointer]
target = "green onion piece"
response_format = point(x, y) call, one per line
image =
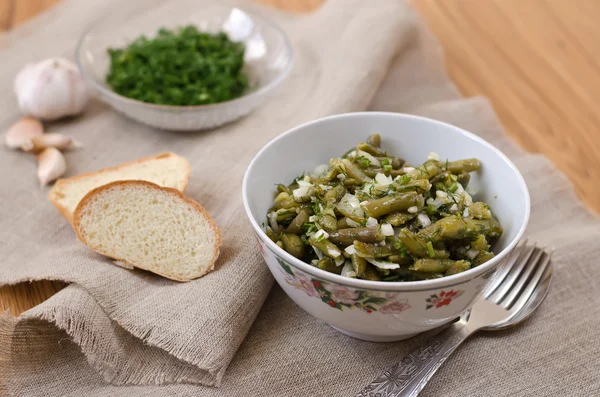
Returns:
point(430, 249)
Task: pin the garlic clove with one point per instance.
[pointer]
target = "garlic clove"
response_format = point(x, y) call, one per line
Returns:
point(58, 141)
point(22, 131)
point(51, 165)
point(51, 89)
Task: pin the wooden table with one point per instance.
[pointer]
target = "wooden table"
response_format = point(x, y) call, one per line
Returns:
point(535, 59)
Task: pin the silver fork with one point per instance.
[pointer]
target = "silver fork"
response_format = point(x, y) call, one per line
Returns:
point(517, 289)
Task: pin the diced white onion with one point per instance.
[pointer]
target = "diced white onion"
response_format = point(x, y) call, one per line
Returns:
point(408, 169)
point(372, 222)
point(468, 199)
point(350, 250)
point(334, 253)
point(341, 176)
point(301, 192)
point(314, 262)
point(347, 270)
point(321, 169)
point(387, 229)
point(374, 161)
point(321, 234)
point(382, 180)
point(352, 154)
point(339, 260)
point(472, 254)
point(466, 213)
point(441, 194)
point(424, 219)
point(325, 187)
point(413, 210)
point(303, 183)
point(273, 221)
point(351, 204)
point(312, 218)
point(318, 252)
point(433, 156)
point(383, 265)
point(459, 188)
point(363, 202)
point(454, 208)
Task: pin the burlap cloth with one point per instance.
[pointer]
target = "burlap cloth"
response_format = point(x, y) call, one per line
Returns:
point(113, 327)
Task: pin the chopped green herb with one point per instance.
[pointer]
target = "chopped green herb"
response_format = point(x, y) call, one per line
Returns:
point(387, 167)
point(404, 179)
point(181, 67)
point(364, 162)
point(430, 250)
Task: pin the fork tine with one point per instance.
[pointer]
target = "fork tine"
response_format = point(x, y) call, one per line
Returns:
point(504, 269)
point(530, 267)
point(529, 289)
point(513, 274)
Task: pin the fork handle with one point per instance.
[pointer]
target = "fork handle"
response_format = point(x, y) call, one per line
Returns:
point(409, 376)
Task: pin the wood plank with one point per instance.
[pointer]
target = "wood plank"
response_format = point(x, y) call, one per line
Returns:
point(534, 60)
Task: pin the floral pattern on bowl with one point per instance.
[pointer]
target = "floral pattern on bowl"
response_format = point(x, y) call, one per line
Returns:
point(442, 299)
point(340, 297)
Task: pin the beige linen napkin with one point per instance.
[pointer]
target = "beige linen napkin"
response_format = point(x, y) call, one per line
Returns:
point(98, 330)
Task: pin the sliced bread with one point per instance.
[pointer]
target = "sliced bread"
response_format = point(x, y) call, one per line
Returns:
point(166, 169)
point(143, 225)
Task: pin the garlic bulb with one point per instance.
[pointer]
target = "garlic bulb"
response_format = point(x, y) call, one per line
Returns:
point(51, 89)
point(51, 165)
point(22, 131)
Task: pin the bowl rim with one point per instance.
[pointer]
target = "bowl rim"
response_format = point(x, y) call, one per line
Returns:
point(245, 97)
point(455, 279)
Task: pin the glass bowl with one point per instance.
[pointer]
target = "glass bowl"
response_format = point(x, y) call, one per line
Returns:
point(268, 60)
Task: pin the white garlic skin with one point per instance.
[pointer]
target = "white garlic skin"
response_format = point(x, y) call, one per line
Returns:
point(51, 89)
point(51, 165)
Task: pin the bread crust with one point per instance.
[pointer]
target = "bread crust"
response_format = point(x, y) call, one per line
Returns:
point(196, 205)
point(53, 194)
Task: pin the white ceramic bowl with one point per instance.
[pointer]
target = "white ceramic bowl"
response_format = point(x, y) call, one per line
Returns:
point(268, 59)
point(376, 310)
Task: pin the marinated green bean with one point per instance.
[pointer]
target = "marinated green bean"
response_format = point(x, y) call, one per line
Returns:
point(480, 210)
point(329, 265)
point(399, 218)
point(374, 140)
point(458, 267)
point(392, 221)
point(460, 166)
point(359, 265)
point(326, 247)
point(389, 204)
point(371, 274)
point(346, 237)
point(295, 227)
point(372, 150)
point(366, 250)
point(293, 244)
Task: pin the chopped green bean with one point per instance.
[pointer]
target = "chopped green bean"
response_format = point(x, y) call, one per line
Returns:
point(293, 244)
point(326, 247)
point(347, 236)
point(389, 204)
point(460, 166)
point(369, 207)
point(374, 140)
point(329, 265)
point(359, 265)
point(295, 227)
